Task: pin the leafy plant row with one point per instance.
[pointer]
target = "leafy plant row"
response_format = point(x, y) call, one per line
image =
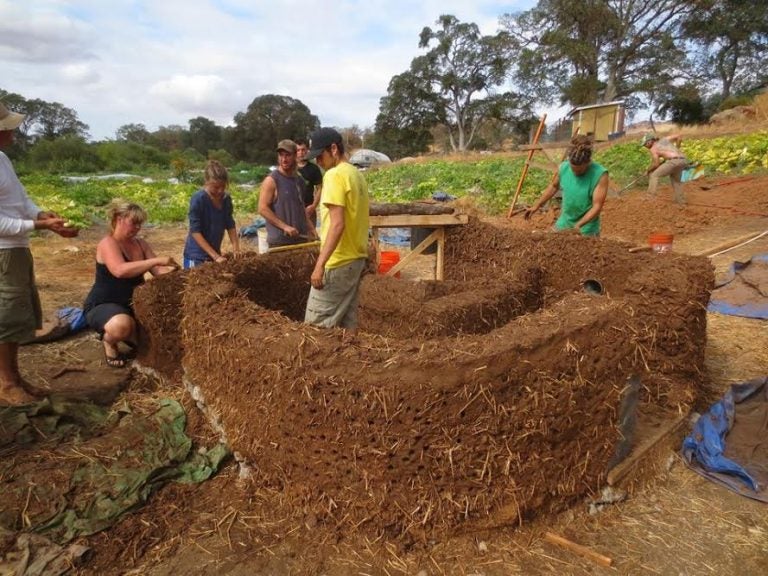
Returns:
point(491, 181)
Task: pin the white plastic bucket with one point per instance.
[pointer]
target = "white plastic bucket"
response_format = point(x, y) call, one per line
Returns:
point(262, 235)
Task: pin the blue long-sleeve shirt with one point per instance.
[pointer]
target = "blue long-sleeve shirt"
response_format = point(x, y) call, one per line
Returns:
point(209, 221)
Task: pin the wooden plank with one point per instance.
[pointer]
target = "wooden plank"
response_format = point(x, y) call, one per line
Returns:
point(425, 221)
point(578, 549)
point(411, 256)
point(624, 467)
point(440, 254)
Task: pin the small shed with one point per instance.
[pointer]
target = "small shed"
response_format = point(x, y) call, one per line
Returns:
point(603, 121)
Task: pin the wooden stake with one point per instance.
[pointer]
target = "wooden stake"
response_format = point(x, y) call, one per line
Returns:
point(531, 152)
point(578, 549)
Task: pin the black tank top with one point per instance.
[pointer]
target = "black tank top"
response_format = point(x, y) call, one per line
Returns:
point(109, 289)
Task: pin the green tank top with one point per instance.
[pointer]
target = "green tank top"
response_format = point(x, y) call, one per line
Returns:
point(577, 197)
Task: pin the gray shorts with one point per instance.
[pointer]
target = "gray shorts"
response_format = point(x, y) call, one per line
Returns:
point(336, 304)
point(20, 312)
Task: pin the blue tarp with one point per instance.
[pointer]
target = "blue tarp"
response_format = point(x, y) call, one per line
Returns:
point(729, 443)
point(744, 290)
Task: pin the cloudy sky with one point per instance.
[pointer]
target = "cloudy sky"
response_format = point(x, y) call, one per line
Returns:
point(162, 62)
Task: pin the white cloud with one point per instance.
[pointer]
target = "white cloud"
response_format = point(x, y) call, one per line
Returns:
point(80, 74)
point(42, 37)
point(166, 61)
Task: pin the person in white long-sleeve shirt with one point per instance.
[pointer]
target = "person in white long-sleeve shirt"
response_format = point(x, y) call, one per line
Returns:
point(20, 313)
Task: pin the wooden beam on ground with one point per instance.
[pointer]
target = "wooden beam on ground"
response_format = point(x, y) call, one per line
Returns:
point(725, 246)
point(624, 467)
point(578, 549)
point(426, 221)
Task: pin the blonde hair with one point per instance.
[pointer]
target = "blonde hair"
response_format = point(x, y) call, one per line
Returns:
point(580, 151)
point(120, 208)
point(215, 172)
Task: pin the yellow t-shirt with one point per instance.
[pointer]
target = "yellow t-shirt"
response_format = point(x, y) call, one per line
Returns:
point(344, 185)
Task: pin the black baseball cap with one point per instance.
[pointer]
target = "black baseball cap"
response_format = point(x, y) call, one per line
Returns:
point(320, 140)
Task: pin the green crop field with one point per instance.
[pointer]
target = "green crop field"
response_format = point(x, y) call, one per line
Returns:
point(491, 180)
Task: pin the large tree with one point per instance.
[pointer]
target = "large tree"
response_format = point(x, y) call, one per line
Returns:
point(458, 83)
point(406, 115)
point(269, 119)
point(731, 39)
point(48, 120)
point(204, 135)
point(583, 52)
point(137, 133)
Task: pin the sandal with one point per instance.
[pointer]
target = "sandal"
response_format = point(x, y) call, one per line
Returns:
point(118, 361)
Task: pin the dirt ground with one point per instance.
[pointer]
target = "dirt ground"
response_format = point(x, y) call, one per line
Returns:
point(672, 522)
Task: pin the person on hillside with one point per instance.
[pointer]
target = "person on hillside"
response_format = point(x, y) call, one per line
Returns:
point(584, 186)
point(122, 259)
point(281, 201)
point(335, 280)
point(313, 179)
point(20, 312)
point(666, 160)
point(210, 215)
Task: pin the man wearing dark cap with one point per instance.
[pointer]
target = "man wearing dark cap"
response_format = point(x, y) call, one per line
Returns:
point(335, 279)
point(313, 178)
point(281, 201)
point(20, 312)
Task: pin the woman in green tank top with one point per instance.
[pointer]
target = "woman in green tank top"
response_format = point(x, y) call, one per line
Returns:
point(584, 184)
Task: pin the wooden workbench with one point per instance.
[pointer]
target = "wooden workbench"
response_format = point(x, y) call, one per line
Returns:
point(436, 221)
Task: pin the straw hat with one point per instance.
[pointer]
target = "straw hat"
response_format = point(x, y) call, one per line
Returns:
point(9, 120)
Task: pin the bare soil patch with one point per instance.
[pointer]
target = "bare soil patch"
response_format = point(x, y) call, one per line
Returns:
point(673, 522)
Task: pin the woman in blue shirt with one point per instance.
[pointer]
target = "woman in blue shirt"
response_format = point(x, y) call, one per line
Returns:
point(210, 214)
point(585, 187)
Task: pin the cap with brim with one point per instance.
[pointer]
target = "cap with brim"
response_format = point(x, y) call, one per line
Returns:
point(287, 145)
point(9, 120)
point(322, 139)
point(647, 138)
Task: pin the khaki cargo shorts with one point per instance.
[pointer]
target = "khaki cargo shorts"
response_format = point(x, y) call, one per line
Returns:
point(336, 304)
point(20, 312)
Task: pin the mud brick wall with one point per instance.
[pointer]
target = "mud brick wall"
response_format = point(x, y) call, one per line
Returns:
point(477, 401)
point(406, 436)
point(665, 295)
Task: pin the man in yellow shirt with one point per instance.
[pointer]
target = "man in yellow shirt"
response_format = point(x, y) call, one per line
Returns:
point(333, 298)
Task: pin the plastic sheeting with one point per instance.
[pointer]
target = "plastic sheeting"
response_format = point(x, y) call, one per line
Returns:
point(138, 454)
point(729, 443)
point(744, 290)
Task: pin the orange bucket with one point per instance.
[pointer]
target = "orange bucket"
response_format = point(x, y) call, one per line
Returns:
point(661, 242)
point(387, 260)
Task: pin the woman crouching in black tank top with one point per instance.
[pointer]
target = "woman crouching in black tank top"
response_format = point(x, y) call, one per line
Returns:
point(122, 259)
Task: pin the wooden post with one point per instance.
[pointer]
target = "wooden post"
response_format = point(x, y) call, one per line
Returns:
point(527, 164)
point(440, 254)
point(376, 249)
